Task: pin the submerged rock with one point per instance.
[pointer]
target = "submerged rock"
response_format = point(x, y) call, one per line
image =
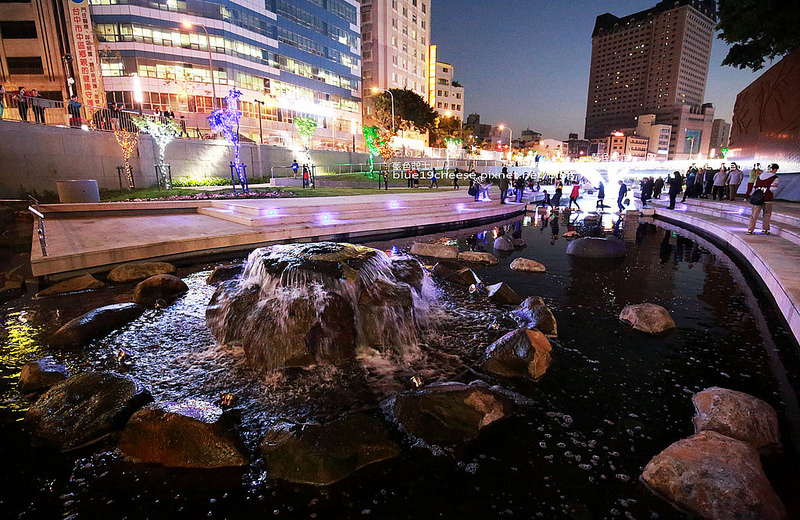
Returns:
point(503, 243)
point(647, 317)
point(86, 282)
point(593, 247)
point(41, 375)
point(520, 353)
point(84, 409)
point(158, 287)
point(448, 413)
point(534, 314)
point(476, 257)
point(714, 476)
point(736, 415)
point(321, 454)
point(434, 250)
point(189, 434)
point(12, 285)
point(454, 273)
point(408, 270)
point(138, 271)
point(530, 266)
point(502, 294)
point(223, 273)
point(95, 324)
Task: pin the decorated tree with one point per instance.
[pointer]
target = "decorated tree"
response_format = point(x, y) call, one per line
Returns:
point(163, 131)
point(226, 121)
point(127, 141)
point(453, 146)
point(372, 138)
point(306, 126)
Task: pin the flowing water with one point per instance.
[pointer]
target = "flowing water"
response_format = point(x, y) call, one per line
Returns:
point(611, 400)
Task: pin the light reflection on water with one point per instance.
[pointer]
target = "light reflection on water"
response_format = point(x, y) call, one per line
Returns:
point(611, 400)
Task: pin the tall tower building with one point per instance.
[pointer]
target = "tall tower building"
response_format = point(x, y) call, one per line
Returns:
point(650, 62)
point(289, 58)
point(395, 37)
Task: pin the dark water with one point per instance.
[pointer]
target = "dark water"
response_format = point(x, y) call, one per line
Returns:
point(611, 400)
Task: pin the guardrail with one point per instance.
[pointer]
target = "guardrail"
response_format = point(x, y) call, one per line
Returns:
point(40, 225)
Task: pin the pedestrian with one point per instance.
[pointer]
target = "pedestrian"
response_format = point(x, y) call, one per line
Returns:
point(386, 179)
point(623, 190)
point(691, 175)
point(647, 190)
point(22, 103)
point(295, 167)
point(546, 200)
point(434, 179)
point(415, 177)
point(735, 177)
point(307, 177)
point(114, 113)
point(697, 189)
point(767, 181)
point(503, 185)
point(557, 194)
point(519, 185)
point(2, 101)
point(573, 196)
point(658, 187)
point(455, 179)
point(720, 180)
point(74, 109)
point(751, 180)
point(675, 186)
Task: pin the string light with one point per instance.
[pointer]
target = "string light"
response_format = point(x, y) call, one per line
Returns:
point(226, 121)
point(127, 141)
point(163, 131)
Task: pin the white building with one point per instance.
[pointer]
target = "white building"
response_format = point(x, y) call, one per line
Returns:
point(448, 96)
point(658, 135)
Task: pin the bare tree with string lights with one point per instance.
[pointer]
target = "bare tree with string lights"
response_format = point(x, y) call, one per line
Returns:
point(226, 121)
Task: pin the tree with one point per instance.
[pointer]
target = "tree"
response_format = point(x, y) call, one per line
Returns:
point(448, 127)
point(411, 111)
point(758, 30)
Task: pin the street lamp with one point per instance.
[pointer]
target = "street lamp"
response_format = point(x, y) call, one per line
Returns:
point(510, 138)
point(375, 90)
point(259, 103)
point(188, 25)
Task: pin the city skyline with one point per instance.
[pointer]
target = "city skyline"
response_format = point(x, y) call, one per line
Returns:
point(542, 69)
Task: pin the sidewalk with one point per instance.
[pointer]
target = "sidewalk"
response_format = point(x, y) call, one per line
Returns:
point(774, 258)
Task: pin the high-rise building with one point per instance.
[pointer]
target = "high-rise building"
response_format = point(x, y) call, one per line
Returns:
point(395, 38)
point(288, 58)
point(720, 132)
point(448, 96)
point(651, 62)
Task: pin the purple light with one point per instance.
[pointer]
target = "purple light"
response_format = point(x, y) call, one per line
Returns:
point(271, 212)
point(393, 204)
point(460, 207)
point(325, 217)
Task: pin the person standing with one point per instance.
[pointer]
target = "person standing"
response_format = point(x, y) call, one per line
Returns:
point(573, 196)
point(658, 187)
point(503, 185)
point(623, 190)
point(74, 109)
point(767, 181)
point(519, 185)
point(647, 190)
point(601, 194)
point(720, 180)
point(734, 180)
point(2, 100)
point(307, 177)
point(295, 167)
point(22, 103)
point(691, 175)
point(675, 186)
point(556, 201)
point(455, 179)
point(754, 173)
point(434, 179)
point(710, 172)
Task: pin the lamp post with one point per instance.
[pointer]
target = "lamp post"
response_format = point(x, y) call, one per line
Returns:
point(67, 59)
point(691, 147)
point(510, 138)
point(260, 130)
point(188, 25)
point(375, 90)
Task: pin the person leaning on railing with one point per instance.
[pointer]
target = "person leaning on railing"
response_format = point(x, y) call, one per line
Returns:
point(74, 110)
point(767, 181)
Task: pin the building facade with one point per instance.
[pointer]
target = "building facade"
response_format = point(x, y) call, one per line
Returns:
point(658, 136)
point(448, 95)
point(651, 62)
point(395, 43)
point(720, 133)
point(288, 59)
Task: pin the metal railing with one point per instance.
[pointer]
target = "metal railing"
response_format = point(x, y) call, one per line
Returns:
point(39, 225)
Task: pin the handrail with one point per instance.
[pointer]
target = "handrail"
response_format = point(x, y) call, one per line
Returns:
point(40, 224)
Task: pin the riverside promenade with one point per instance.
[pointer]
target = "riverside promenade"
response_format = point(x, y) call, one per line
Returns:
point(775, 259)
point(95, 237)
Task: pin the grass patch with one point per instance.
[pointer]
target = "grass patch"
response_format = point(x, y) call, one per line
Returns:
point(153, 193)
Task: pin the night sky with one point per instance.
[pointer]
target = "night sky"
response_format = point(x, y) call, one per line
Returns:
point(526, 63)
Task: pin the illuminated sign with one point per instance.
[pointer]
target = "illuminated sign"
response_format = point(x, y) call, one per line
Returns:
point(87, 68)
point(432, 76)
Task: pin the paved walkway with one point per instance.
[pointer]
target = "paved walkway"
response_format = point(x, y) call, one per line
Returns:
point(774, 258)
point(92, 237)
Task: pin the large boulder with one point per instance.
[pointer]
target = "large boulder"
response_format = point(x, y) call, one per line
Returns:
point(647, 317)
point(158, 287)
point(223, 273)
point(501, 294)
point(95, 324)
point(12, 285)
point(455, 273)
point(520, 353)
point(321, 454)
point(593, 247)
point(714, 476)
point(736, 415)
point(434, 250)
point(382, 305)
point(534, 314)
point(477, 257)
point(138, 271)
point(40, 375)
point(526, 265)
point(408, 270)
point(84, 409)
point(86, 282)
point(448, 413)
point(188, 434)
point(503, 243)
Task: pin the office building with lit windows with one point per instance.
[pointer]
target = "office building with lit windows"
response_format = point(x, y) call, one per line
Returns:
point(653, 62)
point(395, 37)
point(287, 57)
point(448, 96)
